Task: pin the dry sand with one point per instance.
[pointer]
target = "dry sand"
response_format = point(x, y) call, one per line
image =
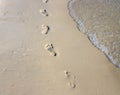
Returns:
point(27, 68)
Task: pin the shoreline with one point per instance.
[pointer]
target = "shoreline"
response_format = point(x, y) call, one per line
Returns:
point(91, 36)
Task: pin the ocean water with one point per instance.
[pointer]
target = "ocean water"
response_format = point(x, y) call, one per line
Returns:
point(100, 21)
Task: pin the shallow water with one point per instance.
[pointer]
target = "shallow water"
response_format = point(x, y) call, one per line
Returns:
point(100, 20)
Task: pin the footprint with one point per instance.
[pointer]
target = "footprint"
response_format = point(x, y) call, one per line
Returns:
point(71, 79)
point(49, 47)
point(44, 1)
point(44, 29)
point(44, 12)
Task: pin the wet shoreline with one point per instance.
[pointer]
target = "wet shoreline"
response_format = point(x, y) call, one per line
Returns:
point(91, 35)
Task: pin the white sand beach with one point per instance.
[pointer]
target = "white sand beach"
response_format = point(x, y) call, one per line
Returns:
point(27, 66)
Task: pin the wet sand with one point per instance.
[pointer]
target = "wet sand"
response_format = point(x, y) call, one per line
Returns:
point(28, 68)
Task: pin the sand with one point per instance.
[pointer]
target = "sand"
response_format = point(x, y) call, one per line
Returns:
point(27, 68)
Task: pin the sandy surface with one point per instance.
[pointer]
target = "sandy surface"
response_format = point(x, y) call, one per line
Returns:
point(27, 68)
